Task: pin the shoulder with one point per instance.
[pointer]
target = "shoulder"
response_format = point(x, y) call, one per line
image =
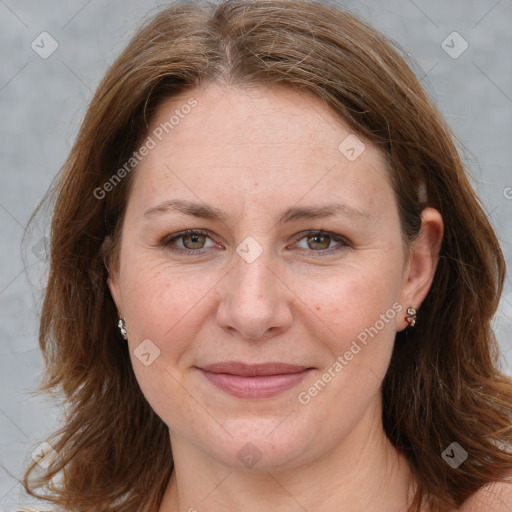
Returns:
point(495, 497)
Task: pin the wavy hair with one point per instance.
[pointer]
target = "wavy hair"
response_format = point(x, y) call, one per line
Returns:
point(443, 382)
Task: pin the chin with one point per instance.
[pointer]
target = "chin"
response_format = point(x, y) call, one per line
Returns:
point(262, 444)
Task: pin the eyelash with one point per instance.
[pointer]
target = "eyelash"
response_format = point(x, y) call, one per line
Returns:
point(343, 242)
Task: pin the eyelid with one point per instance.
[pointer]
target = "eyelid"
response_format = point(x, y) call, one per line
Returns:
point(343, 243)
point(167, 240)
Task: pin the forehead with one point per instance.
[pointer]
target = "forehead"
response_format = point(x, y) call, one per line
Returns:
point(229, 142)
point(249, 118)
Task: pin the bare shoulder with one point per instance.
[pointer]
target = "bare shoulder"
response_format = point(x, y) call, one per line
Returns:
point(496, 497)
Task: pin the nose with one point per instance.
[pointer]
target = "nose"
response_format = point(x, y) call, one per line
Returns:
point(255, 300)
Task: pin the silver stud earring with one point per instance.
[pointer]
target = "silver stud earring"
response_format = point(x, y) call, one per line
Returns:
point(411, 315)
point(122, 327)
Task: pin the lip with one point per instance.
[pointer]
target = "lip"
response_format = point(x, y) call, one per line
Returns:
point(254, 381)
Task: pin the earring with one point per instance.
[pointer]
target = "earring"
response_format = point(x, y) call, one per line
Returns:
point(122, 327)
point(411, 315)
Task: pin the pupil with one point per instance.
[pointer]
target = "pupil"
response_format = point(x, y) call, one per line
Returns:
point(191, 241)
point(317, 239)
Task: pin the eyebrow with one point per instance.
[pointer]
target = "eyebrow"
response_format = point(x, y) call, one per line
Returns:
point(292, 214)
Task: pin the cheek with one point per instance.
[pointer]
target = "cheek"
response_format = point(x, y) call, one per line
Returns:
point(165, 304)
point(359, 327)
point(352, 301)
point(356, 312)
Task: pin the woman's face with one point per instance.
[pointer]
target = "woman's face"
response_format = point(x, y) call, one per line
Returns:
point(273, 324)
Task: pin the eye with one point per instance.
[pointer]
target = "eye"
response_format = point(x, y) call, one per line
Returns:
point(196, 241)
point(191, 240)
point(322, 241)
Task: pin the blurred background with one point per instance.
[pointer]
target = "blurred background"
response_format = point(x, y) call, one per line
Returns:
point(54, 53)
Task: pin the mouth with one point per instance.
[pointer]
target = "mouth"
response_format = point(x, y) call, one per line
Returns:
point(254, 381)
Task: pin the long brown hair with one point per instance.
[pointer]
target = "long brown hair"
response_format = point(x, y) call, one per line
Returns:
point(443, 384)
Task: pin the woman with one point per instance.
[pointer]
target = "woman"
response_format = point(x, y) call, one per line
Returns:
point(271, 282)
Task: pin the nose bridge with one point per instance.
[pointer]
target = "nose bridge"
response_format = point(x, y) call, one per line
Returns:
point(251, 281)
point(253, 300)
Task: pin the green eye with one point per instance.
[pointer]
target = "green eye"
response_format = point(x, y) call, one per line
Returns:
point(322, 241)
point(194, 240)
point(191, 241)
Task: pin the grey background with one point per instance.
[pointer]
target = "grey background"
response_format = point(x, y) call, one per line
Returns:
point(42, 102)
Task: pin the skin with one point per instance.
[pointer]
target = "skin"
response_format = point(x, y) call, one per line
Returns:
point(254, 153)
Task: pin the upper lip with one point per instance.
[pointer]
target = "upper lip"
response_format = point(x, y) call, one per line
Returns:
point(253, 370)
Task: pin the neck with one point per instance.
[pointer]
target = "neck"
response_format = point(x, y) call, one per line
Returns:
point(363, 472)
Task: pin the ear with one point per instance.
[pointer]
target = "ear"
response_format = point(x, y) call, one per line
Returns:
point(112, 274)
point(423, 260)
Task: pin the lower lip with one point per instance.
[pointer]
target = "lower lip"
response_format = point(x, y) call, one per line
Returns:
point(263, 386)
